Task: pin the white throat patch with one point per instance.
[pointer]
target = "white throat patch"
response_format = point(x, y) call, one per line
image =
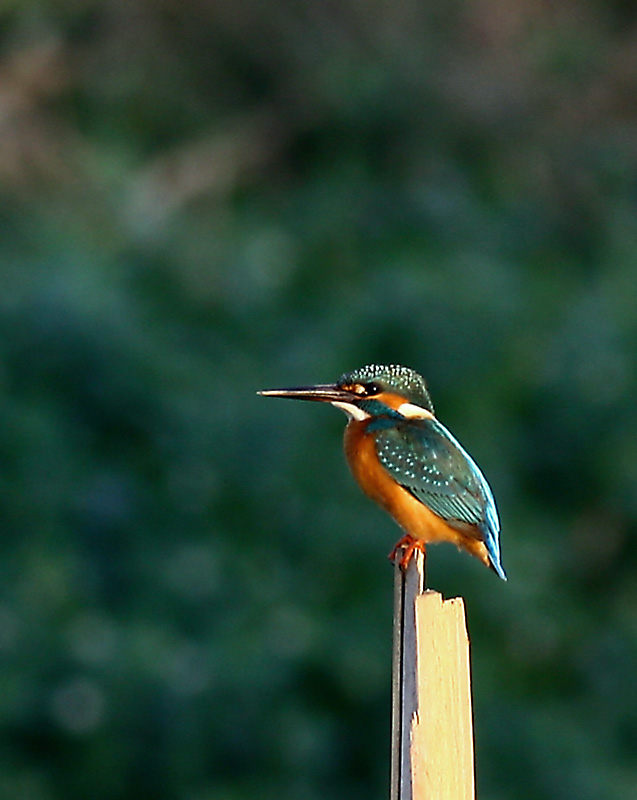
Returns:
point(352, 411)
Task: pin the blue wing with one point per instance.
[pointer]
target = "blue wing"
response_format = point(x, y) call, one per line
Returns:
point(427, 460)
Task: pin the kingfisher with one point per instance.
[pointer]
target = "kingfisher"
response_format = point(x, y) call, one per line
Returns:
point(409, 463)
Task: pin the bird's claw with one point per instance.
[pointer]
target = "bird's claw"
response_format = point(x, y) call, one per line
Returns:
point(408, 545)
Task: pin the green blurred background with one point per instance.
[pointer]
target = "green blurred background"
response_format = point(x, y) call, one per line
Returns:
point(201, 199)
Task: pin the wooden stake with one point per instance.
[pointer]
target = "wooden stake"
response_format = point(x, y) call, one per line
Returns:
point(432, 727)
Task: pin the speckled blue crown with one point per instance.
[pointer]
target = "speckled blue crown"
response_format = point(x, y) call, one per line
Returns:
point(393, 378)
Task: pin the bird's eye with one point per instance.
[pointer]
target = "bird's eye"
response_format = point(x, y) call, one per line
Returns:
point(371, 389)
point(363, 389)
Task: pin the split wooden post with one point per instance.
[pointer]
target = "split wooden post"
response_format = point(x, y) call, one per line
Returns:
point(432, 724)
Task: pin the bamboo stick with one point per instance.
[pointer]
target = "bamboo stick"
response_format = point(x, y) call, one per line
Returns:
point(432, 726)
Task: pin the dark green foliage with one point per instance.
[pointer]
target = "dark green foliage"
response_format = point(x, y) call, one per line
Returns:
point(199, 200)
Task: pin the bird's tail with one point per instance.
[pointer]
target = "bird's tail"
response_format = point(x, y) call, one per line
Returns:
point(495, 565)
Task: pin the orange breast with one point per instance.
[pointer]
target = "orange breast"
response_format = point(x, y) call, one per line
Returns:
point(413, 516)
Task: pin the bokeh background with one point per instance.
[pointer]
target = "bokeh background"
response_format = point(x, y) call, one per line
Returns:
point(199, 199)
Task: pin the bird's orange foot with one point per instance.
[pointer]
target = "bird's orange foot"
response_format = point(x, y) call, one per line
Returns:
point(408, 544)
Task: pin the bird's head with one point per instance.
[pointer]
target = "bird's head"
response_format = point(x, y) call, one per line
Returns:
point(370, 391)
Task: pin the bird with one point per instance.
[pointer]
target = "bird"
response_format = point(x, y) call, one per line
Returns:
point(407, 461)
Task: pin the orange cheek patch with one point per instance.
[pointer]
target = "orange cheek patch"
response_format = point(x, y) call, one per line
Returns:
point(405, 409)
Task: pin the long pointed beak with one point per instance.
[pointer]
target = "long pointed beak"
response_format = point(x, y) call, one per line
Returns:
point(326, 393)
